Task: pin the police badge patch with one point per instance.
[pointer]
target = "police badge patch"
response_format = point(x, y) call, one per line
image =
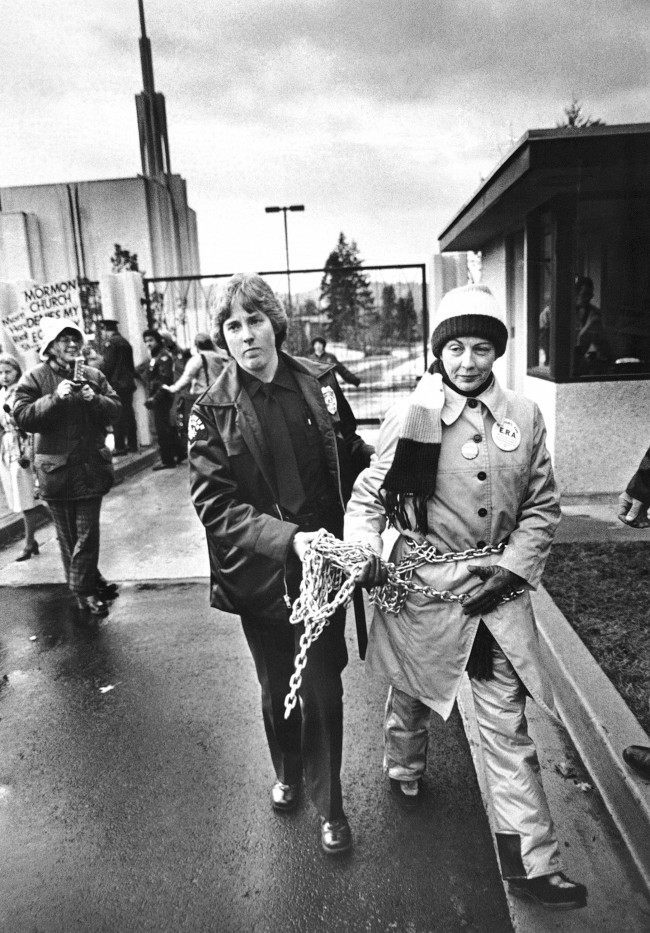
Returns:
point(329, 398)
point(194, 427)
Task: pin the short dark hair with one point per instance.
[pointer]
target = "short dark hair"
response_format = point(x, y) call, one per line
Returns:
point(203, 342)
point(150, 332)
point(109, 325)
point(318, 340)
point(254, 294)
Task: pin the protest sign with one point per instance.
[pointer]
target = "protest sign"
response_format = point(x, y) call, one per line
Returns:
point(22, 322)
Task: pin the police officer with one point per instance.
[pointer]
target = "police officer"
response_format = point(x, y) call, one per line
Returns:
point(160, 373)
point(273, 454)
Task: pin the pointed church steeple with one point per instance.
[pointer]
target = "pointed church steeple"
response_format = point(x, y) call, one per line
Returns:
point(152, 115)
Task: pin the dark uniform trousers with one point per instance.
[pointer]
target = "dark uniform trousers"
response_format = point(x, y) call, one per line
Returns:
point(165, 430)
point(311, 739)
point(125, 431)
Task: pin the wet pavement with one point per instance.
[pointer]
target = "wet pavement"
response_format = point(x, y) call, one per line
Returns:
point(134, 788)
point(134, 775)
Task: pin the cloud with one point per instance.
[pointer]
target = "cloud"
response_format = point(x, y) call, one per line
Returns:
point(380, 115)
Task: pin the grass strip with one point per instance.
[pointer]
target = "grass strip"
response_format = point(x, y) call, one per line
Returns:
point(604, 592)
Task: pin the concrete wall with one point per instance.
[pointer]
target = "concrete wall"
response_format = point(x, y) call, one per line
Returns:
point(493, 274)
point(597, 431)
point(74, 227)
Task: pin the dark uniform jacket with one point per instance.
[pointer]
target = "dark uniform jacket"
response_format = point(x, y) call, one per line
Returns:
point(118, 366)
point(332, 362)
point(249, 539)
point(71, 458)
point(160, 372)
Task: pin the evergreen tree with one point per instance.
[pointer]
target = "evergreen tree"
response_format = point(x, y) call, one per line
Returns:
point(388, 311)
point(575, 118)
point(406, 319)
point(345, 290)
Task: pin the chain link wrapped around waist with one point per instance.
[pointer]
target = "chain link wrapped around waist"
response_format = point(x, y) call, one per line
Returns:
point(330, 572)
point(393, 594)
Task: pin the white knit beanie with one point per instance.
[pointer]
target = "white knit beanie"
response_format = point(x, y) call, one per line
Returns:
point(469, 311)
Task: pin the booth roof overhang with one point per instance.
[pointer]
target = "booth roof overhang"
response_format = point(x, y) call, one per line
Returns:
point(596, 161)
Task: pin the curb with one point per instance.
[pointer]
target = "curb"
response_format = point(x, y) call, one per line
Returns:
point(600, 726)
point(11, 527)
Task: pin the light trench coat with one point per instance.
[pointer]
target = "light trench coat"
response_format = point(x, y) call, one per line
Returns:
point(499, 496)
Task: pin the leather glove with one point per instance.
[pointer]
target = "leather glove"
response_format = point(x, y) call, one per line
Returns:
point(374, 573)
point(497, 582)
point(632, 511)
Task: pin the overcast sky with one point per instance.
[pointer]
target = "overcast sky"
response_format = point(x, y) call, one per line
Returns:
point(380, 116)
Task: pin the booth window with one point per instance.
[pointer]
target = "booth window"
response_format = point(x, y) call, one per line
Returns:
point(605, 330)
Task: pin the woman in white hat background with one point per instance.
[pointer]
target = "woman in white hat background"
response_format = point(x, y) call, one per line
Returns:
point(15, 462)
point(462, 469)
point(69, 417)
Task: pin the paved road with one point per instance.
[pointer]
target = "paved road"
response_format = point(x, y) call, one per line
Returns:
point(145, 806)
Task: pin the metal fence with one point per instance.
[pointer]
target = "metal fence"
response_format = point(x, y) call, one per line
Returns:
point(379, 334)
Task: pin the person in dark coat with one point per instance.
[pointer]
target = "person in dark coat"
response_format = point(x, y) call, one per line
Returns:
point(119, 369)
point(633, 504)
point(273, 453)
point(319, 355)
point(68, 413)
point(159, 374)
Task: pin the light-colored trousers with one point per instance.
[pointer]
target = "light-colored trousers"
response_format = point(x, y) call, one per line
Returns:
point(524, 830)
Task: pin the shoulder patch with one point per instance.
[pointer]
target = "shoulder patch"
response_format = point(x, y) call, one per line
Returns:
point(329, 397)
point(195, 427)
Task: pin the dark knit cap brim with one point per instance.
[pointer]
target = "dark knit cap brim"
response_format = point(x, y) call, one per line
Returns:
point(470, 325)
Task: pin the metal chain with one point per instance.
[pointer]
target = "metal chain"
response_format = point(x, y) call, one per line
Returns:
point(332, 567)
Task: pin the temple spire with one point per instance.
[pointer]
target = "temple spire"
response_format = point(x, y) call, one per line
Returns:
point(152, 116)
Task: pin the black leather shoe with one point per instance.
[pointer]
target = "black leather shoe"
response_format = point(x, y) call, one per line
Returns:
point(568, 895)
point(106, 590)
point(27, 552)
point(92, 605)
point(407, 792)
point(335, 835)
point(637, 757)
point(284, 797)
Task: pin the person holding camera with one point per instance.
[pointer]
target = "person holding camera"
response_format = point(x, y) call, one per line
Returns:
point(15, 462)
point(68, 406)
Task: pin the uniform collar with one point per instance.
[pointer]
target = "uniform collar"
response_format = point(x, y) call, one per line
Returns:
point(493, 398)
point(282, 378)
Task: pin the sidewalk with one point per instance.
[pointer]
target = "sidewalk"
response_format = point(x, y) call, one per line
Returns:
point(11, 524)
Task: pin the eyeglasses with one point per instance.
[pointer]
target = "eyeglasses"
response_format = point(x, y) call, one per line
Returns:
point(69, 339)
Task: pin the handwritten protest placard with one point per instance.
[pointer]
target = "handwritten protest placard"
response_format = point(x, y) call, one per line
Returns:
point(55, 299)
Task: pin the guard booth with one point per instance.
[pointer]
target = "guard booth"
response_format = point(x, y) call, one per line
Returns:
point(564, 206)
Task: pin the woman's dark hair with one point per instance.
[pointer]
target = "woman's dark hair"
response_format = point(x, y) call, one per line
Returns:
point(318, 340)
point(203, 342)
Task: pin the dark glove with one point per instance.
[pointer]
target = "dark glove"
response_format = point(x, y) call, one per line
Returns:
point(374, 573)
point(497, 583)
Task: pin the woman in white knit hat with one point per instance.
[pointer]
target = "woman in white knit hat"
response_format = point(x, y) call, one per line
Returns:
point(462, 469)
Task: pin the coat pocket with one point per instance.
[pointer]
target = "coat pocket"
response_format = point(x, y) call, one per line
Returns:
point(52, 474)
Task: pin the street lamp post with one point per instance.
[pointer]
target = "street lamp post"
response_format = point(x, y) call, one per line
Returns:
point(276, 210)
